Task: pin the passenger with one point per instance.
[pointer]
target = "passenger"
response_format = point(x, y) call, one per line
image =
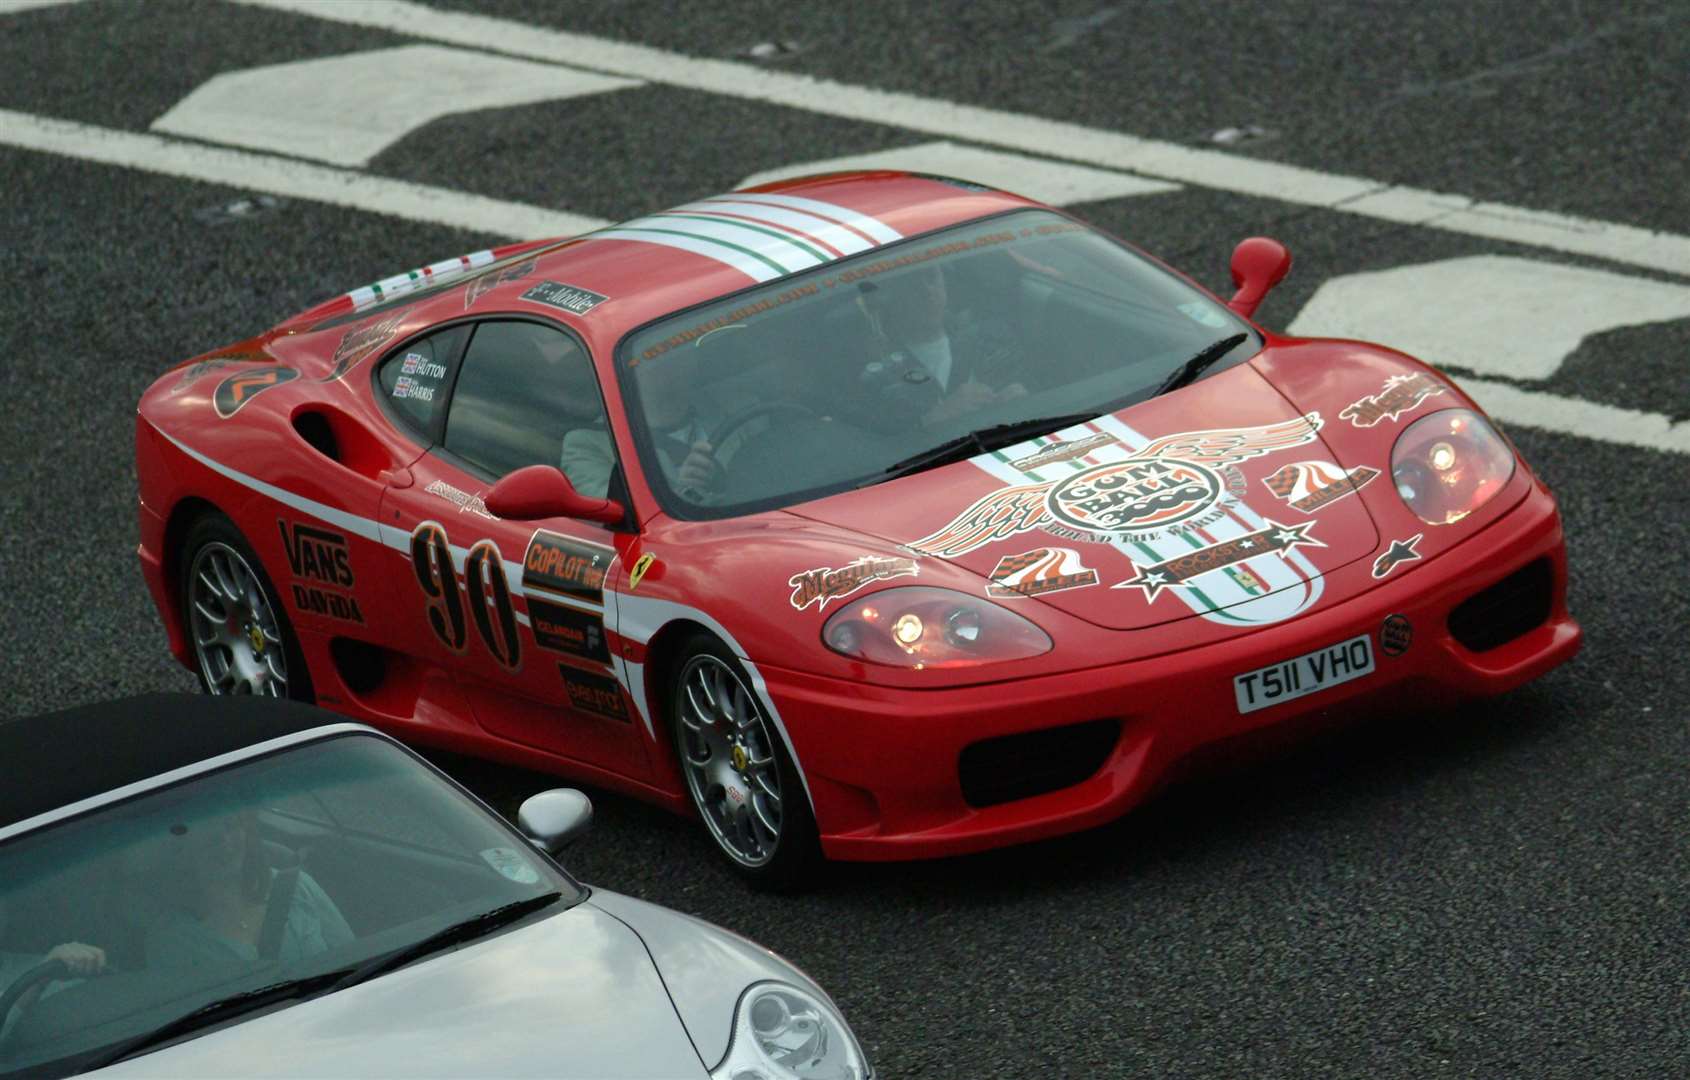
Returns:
point(229, 889)
point(931, 365)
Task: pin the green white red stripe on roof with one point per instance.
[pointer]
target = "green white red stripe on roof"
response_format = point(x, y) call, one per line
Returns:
point(420, 278)
point(762, 236)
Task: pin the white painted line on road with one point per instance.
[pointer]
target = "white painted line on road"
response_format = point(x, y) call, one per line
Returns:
point(1575, 416)
point(294, 179)
point(1669, 252)
point(347, 109)
point(1493, 314)
point(1054, 182)
point(12, 7)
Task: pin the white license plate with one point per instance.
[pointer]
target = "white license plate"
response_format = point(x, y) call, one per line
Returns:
point(1304, 675)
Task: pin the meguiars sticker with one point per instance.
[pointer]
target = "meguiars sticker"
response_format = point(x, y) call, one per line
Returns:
point(492, 279)
point(824, 583)
point(359, 343)
point(1401, 394)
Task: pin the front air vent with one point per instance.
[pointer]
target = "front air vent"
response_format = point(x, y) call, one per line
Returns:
point(1514, 606)
point(1014, 767)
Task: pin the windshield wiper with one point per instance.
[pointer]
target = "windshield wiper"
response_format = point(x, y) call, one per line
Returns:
point(977, 442)
point(215, 1012)
point(468, 930)
point(1194, 367)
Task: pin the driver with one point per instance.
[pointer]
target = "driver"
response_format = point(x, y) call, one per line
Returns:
point(82, 961)
point(230, 892)
point(933, 366)
point(668, 390)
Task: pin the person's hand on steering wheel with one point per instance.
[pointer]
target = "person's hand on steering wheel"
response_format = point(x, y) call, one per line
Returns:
point(700, 473)
point(82, 960)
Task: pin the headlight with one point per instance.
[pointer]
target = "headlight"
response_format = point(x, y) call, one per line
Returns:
point(782, 1033)
point(1448, 464)
point(918, 626)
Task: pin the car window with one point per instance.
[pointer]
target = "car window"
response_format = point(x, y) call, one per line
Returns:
point(358, 848)
point(828, 379)
point(414, 380)
point(523, 388)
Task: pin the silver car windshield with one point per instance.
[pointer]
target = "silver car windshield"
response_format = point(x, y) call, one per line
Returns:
point(314, 860)
point(838, 377)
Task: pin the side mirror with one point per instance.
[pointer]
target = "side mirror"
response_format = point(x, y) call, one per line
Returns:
point(1258, 264)
point(553, 819)
point(542, 491)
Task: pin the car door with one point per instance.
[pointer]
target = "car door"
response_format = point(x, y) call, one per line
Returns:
point(516, 609)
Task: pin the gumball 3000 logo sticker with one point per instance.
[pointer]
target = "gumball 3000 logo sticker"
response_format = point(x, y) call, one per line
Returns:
point(1140, 493)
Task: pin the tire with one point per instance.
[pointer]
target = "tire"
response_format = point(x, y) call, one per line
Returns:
point(738, 773)
point(234, 620)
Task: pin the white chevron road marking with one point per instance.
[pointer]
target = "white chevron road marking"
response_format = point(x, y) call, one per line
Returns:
point(1029, 134)
point(347, 109)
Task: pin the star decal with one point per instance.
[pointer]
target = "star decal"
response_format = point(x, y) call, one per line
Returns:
point(1400, 551)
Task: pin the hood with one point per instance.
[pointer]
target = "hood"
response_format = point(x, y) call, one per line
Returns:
point(1221, 500)
point(573, 995)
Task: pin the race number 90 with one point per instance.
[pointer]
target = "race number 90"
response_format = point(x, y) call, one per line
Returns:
point(485, 591)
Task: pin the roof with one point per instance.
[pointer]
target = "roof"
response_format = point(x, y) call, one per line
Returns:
point(629, 273)
point(65, 757)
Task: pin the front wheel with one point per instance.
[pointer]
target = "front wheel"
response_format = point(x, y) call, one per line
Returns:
point(739, 775)
point(243, 643)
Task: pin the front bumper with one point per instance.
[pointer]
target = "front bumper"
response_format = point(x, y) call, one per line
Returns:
point(882, 764)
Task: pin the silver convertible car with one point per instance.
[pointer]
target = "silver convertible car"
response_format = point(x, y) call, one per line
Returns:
point(195, 886)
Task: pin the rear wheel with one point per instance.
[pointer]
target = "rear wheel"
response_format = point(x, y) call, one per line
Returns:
point(738, 773)
point(242, 641)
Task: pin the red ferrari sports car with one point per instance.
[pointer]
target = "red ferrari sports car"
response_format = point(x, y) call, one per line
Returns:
point(874, 516)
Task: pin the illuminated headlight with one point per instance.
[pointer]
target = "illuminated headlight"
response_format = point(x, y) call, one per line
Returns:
point(782, 1033)
point(918, 626)
point(1448, 464)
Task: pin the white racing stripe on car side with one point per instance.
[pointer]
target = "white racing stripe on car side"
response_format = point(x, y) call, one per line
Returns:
point(638, 618)
point(641, 617)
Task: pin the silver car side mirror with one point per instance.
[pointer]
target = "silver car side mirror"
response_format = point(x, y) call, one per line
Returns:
point(553, 819)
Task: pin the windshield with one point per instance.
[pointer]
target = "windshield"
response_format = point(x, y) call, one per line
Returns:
point(837, 377)
point(312, 860)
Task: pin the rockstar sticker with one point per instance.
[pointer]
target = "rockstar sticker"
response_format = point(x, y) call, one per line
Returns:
point(1178, 571)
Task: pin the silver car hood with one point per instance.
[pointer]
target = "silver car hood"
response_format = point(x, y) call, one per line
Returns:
point(575, 995)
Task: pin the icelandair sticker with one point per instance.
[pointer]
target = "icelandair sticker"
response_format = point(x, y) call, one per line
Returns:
point(511, 865)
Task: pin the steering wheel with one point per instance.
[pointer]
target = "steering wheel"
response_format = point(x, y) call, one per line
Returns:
point(735, 421)
point(45, 972)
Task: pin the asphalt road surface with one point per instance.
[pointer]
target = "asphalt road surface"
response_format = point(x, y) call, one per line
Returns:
point(1499, 891)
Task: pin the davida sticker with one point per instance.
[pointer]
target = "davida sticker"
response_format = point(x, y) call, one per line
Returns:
point(234, 392)
point(594, 694)
point(1178, 571)
point(1310, 485)
point(1401, 394)
point(565, 565)
point(826, 583)
point(576, 301)
point(1399, 552)
point(492, 279)
point(1154, 500)
point(321, 564)
point(359, 343)
point(511, 865)
point(1040, 571)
